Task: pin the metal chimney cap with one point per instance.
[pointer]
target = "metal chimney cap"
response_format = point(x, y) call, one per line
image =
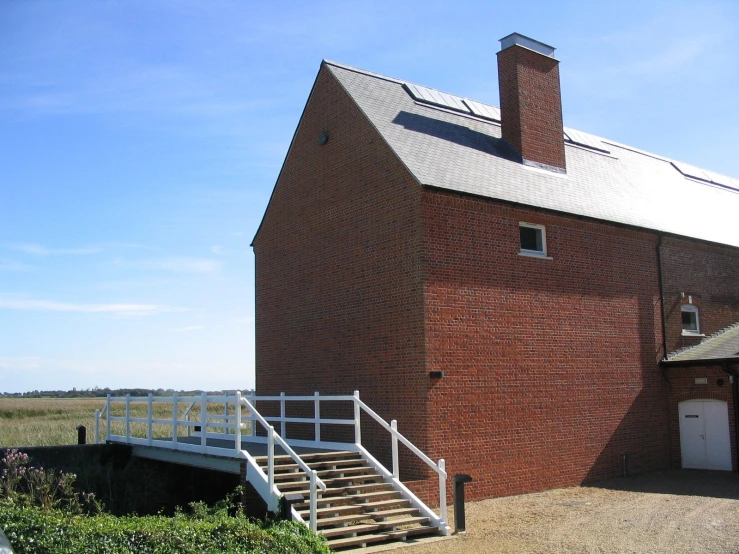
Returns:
point(521, 40)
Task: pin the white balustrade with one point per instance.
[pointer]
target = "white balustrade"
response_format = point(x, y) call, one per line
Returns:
point(229, 427)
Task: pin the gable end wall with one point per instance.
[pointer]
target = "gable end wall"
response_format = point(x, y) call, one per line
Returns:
point(339, 276)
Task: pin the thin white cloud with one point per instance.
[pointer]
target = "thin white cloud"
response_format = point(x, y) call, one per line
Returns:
point(189, 328)
point(40, 250)
point(177, 264)
point(114, 309)
point(217, 250)
point(12, 265)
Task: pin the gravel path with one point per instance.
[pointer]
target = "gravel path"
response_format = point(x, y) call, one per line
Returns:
point(673, 511)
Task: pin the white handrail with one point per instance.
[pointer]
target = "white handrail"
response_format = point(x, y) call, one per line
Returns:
point(440, 468)
point(400, 437)
point(286, 447)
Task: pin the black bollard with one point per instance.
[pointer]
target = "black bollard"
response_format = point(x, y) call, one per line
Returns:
point(287, 501)
point(459, 481)
point(81, 434)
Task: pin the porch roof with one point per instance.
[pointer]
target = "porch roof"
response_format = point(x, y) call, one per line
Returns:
point(719, 347)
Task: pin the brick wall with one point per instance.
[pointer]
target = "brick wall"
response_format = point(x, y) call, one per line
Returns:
point(338, 280)
point(550, 364)
point(708, 273)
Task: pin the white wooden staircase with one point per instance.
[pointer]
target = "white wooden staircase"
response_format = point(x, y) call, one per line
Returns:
point(358, 507)
point(349, 497)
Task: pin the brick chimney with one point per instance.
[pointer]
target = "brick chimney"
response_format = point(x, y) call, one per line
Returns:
point(531, 101)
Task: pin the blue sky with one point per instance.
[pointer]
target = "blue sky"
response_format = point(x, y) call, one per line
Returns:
point(140, 141)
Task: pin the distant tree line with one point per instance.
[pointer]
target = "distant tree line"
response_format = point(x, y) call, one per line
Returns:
point(96, 392)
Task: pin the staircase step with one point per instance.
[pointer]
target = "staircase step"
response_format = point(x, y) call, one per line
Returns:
point(386, 503)
point(312, 457)
point(347, 472)
point(369, 527)
point(366, 516)
point(338, 491)
point(342, 482)
point(337, 465)
point(326, 512)
point(353, 499)
point(380, 537)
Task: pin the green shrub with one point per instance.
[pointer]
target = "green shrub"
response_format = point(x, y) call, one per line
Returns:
point(32, 530)
point(42, 514)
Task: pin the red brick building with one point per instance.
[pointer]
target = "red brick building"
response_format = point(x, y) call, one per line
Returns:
point(517, 294)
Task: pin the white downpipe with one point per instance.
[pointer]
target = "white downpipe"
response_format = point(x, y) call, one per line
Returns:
point(107, 418)
point(203, 421)
point(97, 426)
point(149, 425)
point(357, 426)
point(442, 491)
point(128, 418)
point(175, 418)
point(396, 464)
point(271, 459)
point(317, 415)
point(283, 431)
point(313, 501)
point(237, 430)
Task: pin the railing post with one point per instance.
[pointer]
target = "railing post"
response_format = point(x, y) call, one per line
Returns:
point(313, 501)
point(283, 431)
point(97, 426)
point(237, 426)
point(149, 425)
point(225, 417)
point(357, 426)
point(107, 418)
point(175, 418)
point(442, 491)
point(317, 415)
point(396, 465)
point(128, 417)
point(271, 459)
point(203, 421)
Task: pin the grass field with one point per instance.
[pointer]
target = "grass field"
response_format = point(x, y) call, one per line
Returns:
point(54, 421)
point(45, 421)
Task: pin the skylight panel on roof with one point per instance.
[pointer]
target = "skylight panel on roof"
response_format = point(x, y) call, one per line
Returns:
point(707, 176)
point(435, 97)
point(584, 139)
point(483, 110)
point(691, 171)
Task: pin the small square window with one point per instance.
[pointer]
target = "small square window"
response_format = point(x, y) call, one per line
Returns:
point(533, 239)
point(691, 325)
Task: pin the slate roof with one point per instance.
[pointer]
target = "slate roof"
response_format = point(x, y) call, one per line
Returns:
point(723, 345)
point(463, 153)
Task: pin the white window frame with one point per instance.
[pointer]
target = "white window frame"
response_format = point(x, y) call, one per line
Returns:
point(534, 253)
point(694, 310)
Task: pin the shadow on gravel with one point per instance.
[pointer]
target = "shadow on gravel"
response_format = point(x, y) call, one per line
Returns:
point(690, 482)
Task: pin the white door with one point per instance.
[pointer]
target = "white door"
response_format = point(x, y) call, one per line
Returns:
point(704, 434)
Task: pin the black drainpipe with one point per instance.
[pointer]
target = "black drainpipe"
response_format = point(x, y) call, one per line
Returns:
point(662, 305)
point(735, 393)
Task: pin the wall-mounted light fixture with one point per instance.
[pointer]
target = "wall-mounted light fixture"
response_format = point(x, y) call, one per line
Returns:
point(436, 374)
point(322, 138)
